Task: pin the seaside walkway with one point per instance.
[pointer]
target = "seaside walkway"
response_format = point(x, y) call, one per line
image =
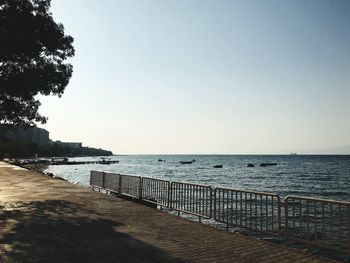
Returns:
point(49, 220)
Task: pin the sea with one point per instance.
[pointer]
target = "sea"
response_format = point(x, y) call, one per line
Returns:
point(321, 176)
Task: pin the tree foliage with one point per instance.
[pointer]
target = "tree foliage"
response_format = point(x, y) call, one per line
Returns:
point(33, 54)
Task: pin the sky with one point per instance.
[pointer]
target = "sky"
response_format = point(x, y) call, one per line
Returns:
point(205, 77)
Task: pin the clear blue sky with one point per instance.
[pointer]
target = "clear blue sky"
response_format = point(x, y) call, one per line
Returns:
point(186, 76)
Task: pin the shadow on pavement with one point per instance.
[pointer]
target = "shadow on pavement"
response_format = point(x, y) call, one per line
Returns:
point(60, 231)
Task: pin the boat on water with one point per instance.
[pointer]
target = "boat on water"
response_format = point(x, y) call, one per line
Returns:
point(249, 165)
point(59, 159)
point(161, 160)
point(103, 160)
point(187, 162)
point(218, 166)
point(267, 164)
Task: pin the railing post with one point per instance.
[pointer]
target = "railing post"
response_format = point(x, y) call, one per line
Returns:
point(103, 180)
point(286, 208)
point(120, 184)
point(140, 190)
point(170, 193)
point(279, 214)
point(214, 212)
point(211, 202)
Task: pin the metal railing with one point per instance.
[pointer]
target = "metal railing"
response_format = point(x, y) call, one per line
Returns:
point(256, 211)
point(97, 179)
point(191, 198)
point(155, 191)
point(112, 182)
point(318, 221)
point(130, 185)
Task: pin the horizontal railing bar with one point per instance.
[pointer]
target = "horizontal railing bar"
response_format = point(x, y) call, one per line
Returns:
point(192, 213)
point(112, 190)
point(316, 199)
point(93, 185)
point(161, 180)
point(247, 191)
point(192, 184)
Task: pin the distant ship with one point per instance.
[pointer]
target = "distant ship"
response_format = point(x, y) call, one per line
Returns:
point(293, 153)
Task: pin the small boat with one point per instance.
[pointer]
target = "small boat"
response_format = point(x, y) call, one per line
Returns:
point(106, 161)
point(267, 164)
point(185, 162)
point(249, 165)
point(59, 159)
point(161, 160)
point(218, 166)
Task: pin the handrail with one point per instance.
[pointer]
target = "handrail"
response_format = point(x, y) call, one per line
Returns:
point(112, 182)
point(316, 221)
point(249, 191)
point(191, 198)
point(318, 199)
point(155, 191)
point(252, 210)
point(96, 179)
point(130, 185)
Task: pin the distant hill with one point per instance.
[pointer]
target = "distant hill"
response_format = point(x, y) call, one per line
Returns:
point(17, 149)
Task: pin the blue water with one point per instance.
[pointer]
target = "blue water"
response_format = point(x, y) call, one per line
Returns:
point(325, 176)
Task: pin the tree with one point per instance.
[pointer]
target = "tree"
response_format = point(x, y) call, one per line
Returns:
point(33, 52)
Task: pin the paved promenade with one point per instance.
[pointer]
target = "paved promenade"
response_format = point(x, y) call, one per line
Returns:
point(48, 220)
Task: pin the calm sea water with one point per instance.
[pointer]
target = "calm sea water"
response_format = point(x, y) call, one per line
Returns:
point(325, 176)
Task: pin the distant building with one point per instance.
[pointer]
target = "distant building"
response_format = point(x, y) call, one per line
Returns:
point(27, 135)
point(72, 145)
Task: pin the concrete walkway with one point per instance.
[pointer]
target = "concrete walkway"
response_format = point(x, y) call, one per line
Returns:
point(49, 220)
